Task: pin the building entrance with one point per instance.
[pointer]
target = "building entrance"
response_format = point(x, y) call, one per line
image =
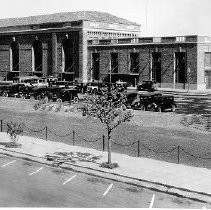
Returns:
point(156, 67)
point(180, 69)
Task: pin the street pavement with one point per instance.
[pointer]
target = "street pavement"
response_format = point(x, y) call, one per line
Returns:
point(32, 185)
point(29, 184)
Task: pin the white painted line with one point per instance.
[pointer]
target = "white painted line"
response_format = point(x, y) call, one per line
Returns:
point(35, 171)
point(8, 163)
point(107, 190)
point(69, 179)
point(152, 201)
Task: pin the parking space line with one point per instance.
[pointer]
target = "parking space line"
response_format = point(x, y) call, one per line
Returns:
point(107, 190)
point(69, 179)
point(8, 163)
point(152, 201)
point(36, 171)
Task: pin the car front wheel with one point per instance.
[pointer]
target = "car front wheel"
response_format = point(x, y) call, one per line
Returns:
point(75, 100)
point(142, 107)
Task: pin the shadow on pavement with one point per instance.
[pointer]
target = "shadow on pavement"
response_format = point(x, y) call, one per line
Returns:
point(193, 106)
point(71, 157)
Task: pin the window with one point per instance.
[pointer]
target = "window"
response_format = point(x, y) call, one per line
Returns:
point(95, 66)
point(156, 67)
point(37, 51)
point(68, 50)
point(114, 63)
point(134, 62)
point(207, 60)
point(181, 72)
point(180, 39)
point(14, 56)
point(156, 39)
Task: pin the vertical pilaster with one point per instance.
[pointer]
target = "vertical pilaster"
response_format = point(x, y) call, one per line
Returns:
point(54, 53)
point(83, 56)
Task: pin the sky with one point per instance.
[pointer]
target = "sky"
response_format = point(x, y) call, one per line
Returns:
point(156, 17)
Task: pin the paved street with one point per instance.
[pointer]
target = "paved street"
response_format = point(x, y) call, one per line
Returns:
point(29, 184)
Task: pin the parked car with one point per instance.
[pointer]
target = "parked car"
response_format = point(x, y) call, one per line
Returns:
point(4, 89)
point(64, 84)
point(93, 87)
point(121, 86)
point(150, 101)
point(147, 86)
point(69, 94)
point(163, 103)
point(37, 93)
point(12, 90)
point(31, 81)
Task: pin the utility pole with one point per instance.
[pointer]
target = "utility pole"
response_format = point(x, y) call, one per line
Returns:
point(146, 13)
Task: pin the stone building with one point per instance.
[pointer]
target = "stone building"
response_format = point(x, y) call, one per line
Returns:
point(180, 62)
point(94, 46)
point(56, 44)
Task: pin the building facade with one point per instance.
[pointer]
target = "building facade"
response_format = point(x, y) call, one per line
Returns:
point(180, 62)
point(93, 46)
point(56, 45)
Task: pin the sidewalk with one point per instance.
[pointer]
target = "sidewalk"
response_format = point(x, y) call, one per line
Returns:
point(172, 178)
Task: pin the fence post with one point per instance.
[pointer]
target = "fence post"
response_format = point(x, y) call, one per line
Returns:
point(103, 142)
point(138, 148)
point(1, 125)
point(178, 154)
point(73, 137)
point(46, 133)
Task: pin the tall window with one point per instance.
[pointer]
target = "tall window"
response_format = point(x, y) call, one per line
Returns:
point(38, 54)
point(114, 62)
point(14, 56)
point(95, 66)
point(207, 60)
point(156, 66)
point(68, 50)
point(134, 62)
point(181, 72)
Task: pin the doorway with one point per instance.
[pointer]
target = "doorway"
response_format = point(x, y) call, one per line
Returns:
point(180, 69)
point(156, 67)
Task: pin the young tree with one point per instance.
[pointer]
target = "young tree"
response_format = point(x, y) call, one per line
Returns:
point(110, 109)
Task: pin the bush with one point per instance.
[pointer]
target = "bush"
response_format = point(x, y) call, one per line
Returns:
point(58, 108)
point(14, 130)
point(38, 104)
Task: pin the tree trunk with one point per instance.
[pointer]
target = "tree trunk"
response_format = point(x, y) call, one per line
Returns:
point(109, 147)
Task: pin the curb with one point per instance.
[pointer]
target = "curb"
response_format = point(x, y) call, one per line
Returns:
point(172, 190)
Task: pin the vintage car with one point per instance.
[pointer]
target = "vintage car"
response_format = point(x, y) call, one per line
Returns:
point(93, 87)
point(147, 86)
point(163, 103)
point(150, 101)
point(67, 94)
point(121, 86)
point(31, 81)
point(12, 90)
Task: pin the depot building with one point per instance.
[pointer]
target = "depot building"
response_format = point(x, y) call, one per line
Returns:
point(90, 46)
